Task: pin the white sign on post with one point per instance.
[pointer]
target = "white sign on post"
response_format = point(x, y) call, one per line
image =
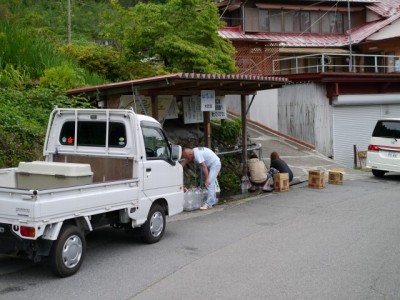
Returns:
point(191, 110)
point(220, 109)
point(207, 100)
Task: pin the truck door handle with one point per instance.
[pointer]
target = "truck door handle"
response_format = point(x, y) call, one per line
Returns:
point(148, 170)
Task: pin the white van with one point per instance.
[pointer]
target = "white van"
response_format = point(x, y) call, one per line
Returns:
point(384, 149)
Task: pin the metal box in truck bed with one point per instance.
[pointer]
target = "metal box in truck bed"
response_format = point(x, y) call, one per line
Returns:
point(48, 175)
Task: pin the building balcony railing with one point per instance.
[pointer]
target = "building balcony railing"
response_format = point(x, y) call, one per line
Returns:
point(333, 62)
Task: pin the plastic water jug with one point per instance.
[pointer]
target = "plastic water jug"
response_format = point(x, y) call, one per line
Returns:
point(188, 200)
point(197, 198)
point(245, 185)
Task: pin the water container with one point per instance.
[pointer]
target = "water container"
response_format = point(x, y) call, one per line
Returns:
point(188, 200)
point(245, 185)
point(197, 198)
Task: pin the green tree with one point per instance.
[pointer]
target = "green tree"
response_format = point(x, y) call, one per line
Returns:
point(182, 34)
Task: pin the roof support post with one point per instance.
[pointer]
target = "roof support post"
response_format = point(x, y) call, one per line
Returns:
point(154, 107)
point(244, 134)
point(207, 129)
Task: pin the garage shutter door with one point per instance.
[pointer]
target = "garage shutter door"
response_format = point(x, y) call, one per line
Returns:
point(352, 125)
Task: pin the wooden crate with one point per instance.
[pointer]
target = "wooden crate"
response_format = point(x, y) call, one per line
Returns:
point(281, 182)
point(335, 177)
point(316, 179)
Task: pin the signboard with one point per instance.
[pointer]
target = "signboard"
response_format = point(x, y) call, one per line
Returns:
point(220, 109)
point(144, 107)
point(191, 110)
point(173, 111)
point(167, 106)
point(207, 100)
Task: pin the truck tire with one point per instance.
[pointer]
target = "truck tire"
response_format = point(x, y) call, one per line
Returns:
point(378, 173)
point(153, 230)
point(68, 251)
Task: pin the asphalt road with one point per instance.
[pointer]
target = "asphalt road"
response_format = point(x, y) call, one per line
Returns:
point(340, 242)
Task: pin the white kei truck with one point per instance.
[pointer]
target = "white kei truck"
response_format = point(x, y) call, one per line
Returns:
point(101, 167)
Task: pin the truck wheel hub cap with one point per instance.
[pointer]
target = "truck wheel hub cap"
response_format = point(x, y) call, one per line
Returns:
point(156, 224)
point(72, 251)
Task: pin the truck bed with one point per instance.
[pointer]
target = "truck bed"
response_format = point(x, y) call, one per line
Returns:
point(53, 205)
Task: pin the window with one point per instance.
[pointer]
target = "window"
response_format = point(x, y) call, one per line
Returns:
point(314, 20)
point(332, 23)
point(275, 20)
point(387, 129)
point(290, 20)
point(155, 142)
point(93, 134)
point(295, 21)
point(263, 20)
point(305, 21)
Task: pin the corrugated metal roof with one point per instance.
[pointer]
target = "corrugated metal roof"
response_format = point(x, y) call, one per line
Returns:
point(287, 39)
point(365, 31)
point(385, 8)
point(309, 39)
point(355, 1)
point(389, 10)
point(186, 84)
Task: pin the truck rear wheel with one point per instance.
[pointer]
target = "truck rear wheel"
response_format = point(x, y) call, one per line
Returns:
point(378, 173)
point(153, 230)
point(68, 251)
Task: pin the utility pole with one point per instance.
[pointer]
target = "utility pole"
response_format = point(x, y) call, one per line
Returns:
point(350, 46)
point(69, 21)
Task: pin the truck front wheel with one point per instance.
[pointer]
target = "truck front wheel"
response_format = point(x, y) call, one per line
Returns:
point(153, 230)
point(68, 251)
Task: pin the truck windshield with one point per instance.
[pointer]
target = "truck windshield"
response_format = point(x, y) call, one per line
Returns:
point(387, 129)
point(93, 134)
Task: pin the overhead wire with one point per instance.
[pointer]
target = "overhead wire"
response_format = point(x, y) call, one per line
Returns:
point(222, 14)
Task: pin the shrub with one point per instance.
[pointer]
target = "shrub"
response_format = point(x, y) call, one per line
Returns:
point(230, 177)
point(63, 77)
point(103, 60)
point(13, 77)
point(227, 132)
point(23, 122)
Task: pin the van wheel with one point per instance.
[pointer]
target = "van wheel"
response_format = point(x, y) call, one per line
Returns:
point(378, 173)
point(153, 230)
point(68, 251)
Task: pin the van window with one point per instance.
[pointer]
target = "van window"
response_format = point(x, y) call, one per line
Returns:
point(387, 129)
point(93, 134)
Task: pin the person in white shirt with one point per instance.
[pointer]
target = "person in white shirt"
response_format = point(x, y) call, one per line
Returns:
point(210, 164)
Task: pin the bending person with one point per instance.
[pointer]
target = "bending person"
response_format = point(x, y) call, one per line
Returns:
point(259, 175)
point(280, 165)
point(210, 164)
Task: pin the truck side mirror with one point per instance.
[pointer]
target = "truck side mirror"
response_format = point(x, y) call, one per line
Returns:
point(176, 153)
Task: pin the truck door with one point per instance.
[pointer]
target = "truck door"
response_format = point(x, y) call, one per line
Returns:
point(161, 175)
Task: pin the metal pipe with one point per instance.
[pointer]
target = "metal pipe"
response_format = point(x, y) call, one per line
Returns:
point(238, 149)
point(251, 102)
